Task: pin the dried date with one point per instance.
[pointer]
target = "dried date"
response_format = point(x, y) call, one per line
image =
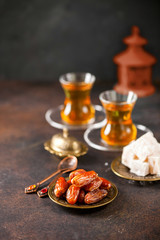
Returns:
point(60, 187)
point(96, 183)
point(81, 196)
point(72, 194)
point(69, 183)
point(75, 173)
point(95, 196)
point(105, 184)
point(84, 178)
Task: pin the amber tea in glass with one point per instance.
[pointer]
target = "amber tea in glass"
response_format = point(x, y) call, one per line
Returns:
point(119, 129)
point(77, 109)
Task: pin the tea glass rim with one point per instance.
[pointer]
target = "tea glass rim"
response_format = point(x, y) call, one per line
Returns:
point(64, 81)
point(127, 101)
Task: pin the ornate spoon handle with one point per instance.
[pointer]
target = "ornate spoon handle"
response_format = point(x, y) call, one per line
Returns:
point(44, 191)
point(34, 187)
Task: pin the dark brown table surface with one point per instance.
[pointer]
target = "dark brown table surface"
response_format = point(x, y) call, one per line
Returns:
point(134, 214)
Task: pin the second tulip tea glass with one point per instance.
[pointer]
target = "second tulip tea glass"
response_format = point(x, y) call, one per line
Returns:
point(77, 109)
point(119, 129)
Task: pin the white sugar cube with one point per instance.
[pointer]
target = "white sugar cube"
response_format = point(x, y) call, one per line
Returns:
point(154, 165)
point(139, 168)
point(128, 155)
point(145, 146)
point(143, 155)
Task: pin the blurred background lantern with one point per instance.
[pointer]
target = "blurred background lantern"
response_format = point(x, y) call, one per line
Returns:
point(135, 66)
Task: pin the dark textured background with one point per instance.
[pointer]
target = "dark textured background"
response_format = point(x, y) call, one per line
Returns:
point(42, 39)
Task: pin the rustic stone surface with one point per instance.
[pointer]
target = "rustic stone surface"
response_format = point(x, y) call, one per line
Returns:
point(134, 214)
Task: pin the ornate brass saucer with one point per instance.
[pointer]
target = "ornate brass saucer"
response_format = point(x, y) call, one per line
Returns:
point(109, 198)
point(122, 171)
point(63, 145)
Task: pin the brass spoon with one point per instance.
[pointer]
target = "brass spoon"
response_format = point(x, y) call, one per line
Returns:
point(66, 164)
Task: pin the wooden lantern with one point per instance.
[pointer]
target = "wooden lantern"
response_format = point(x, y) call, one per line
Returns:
point(135, 66)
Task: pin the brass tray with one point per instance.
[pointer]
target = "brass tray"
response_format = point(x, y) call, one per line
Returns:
point(83, 151)
point(109, 198)
point(122, 171)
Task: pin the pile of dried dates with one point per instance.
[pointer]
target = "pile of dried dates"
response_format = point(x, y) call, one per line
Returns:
point(82, 187)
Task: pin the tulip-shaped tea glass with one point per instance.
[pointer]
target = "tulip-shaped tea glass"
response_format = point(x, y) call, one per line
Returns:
point(119, 129)
point(77, 109)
